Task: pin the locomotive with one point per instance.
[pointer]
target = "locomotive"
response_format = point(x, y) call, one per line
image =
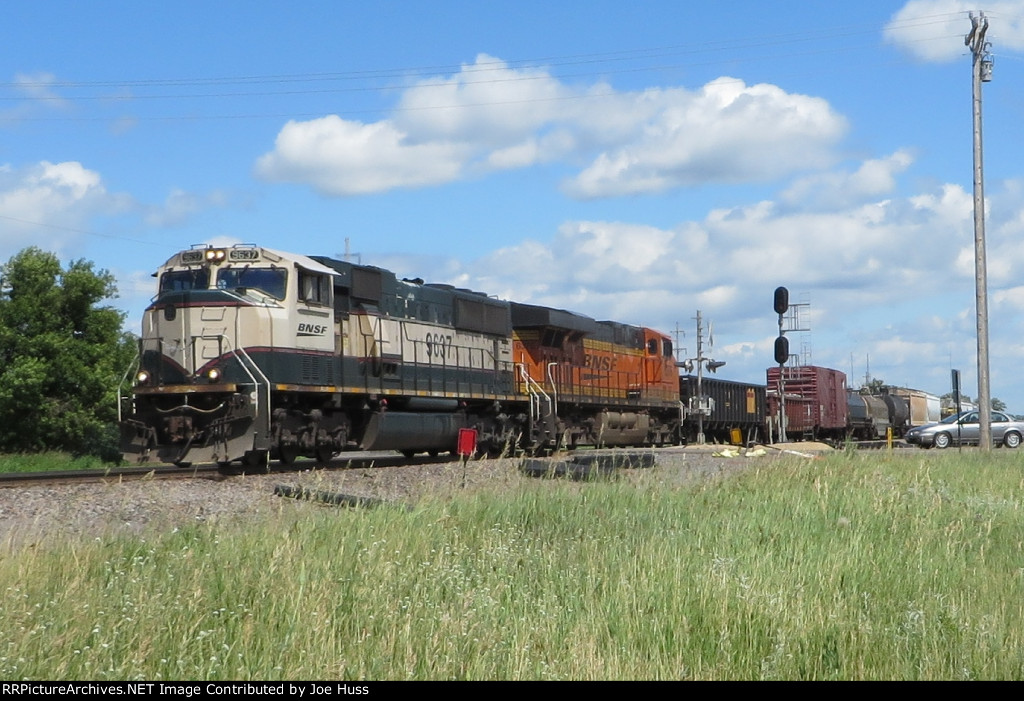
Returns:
point(248, 353)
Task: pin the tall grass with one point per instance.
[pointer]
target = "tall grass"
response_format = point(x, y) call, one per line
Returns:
point(839, 568)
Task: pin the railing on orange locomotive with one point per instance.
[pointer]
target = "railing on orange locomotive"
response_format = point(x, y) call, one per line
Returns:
point(245, 362)
point(564, 381)
point(537, 396)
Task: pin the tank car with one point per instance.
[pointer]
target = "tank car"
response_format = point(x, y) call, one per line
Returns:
point(248, 353)
point(899, 413)
point(868, 416)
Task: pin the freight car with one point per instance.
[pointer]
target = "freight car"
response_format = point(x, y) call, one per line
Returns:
point(815, 402)
point(923, 408)
point(815, 407)
point(247, 353)
point(730, 412)
point(868, 416)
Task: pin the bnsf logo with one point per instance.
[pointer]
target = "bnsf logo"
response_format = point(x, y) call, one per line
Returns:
point(312, 329)
point(601, 363)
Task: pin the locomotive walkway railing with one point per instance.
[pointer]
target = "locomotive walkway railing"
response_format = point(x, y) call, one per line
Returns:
point(536, 394)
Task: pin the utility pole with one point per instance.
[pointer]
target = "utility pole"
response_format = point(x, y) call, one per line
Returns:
point(981, 72)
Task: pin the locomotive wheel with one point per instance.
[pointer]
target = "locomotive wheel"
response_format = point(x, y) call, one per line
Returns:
point(255, 458)
point(942, 440)
point(324, 453)
point(287, 454)
point(1012, 440)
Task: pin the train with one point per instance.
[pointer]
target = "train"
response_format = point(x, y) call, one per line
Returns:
point(248, 354)
point(818, 406)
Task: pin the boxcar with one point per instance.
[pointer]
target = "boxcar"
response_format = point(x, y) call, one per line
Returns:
point(816, 405)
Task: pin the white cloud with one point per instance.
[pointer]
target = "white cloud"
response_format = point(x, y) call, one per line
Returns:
point(725, 132)
point(339, 157)
point(47, 202)
point(934, 30)
point(491, 117)
point(180, 206)
point(831, 190)
point(37, 92)
point(54, 205)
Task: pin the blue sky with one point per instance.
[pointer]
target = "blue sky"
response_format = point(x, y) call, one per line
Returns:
point(629, 161)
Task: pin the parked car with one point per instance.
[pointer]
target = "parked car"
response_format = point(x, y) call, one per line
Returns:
point(964, 428)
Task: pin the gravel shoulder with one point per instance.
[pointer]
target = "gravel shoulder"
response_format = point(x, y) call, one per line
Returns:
point(30, 515)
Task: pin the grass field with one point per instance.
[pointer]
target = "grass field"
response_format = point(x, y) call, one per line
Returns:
point(43, 462)
point(846, 567)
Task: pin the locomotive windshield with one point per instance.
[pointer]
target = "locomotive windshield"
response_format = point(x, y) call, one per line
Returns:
point(270, 281)
point(182, 280)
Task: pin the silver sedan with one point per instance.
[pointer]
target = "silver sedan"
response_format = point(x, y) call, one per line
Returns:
point(964, 428)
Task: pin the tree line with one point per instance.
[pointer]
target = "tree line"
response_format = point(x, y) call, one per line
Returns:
point(63, 353)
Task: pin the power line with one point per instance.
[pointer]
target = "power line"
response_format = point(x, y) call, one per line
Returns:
point(410, 74)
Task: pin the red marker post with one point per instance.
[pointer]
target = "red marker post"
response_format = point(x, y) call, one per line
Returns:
point(465, 448)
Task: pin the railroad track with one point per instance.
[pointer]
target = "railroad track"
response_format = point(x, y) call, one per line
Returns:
point(209, 471)
point(604, 458)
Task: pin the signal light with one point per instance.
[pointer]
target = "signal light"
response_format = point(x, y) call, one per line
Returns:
point(781, 350)
point(781, 300)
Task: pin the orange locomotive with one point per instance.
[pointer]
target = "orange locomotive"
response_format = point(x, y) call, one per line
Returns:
point(593, 382)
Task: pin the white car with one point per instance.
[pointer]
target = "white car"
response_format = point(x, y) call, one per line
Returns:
point(964, 428)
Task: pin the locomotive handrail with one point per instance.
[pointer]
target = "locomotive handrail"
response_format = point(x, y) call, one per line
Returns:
point(554, 386)
point(245, 362)
point(535, 392)
point(120, 385)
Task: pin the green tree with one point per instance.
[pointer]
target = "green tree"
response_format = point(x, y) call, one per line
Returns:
point(61, 356)
point(874, 387)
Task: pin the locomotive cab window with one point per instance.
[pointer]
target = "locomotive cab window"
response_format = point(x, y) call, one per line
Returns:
point(182, 280)
point(314, 288)
point(667, 348)
point(652, 347)
point(270, 281)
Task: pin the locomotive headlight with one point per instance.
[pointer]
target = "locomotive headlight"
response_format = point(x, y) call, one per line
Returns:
point(213, 374)
point(142, 378)
point(215, 255)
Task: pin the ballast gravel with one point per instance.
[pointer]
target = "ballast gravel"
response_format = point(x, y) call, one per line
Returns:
point(34, 514)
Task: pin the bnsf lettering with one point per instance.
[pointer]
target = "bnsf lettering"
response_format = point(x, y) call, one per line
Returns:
point(602, 363)
point(312, 329)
